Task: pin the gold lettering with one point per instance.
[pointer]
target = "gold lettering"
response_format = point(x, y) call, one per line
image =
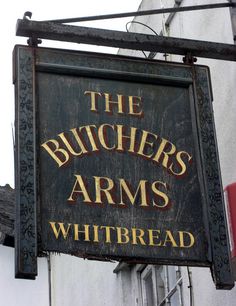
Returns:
point(134, 104)
point(101, 136)
point(160, 194)
point(182, 241)
point(61, 229)
point(124, 235)
point(169, 238)
point(108, 103)
point(152, 236)
point(141, 187)
point(80, 189)
point(122, 232)
point(106, 191)
point(137, 234)
point(85, 232)
point(121, 137)
point(181, 163)
point(108, 232)
point(62, 156)
point(166, 154)
point(93, 99)
point(90, 135)
point(95, 229)
point(67, 144)
point(145, 143)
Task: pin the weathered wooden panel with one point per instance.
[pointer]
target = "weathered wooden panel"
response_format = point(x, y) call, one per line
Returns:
point(25, 165)
point(127, 164)
point(161, 107)
point(125, 40)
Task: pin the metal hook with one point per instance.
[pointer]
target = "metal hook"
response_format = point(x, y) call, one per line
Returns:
point(27, 15)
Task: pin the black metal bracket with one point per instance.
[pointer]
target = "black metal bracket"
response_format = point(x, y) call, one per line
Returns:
point(146, 12)
point(118, 39)
point(171, 10)
point(32, 41)
point(189, 59)
point(27, 15)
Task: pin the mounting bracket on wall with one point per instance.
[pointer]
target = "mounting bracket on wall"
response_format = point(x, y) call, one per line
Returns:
point(118, 39)
point(189, 59)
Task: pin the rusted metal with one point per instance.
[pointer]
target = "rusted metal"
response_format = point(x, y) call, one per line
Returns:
point(118, 39)
point(34, 42)
point(147, 12)
point(189, 59)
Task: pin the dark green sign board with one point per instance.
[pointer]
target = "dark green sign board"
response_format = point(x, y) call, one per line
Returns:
point(116, 158)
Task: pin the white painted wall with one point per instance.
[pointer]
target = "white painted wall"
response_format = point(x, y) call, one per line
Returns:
point(19, 292)
point(76, 282)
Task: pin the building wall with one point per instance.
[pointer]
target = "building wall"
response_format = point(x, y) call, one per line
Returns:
point(20, 292)
point(76, 281)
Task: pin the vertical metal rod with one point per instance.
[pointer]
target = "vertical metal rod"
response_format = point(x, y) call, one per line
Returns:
point(190, 286)
point(167, 288)
point(179, 285)
point(49, 279)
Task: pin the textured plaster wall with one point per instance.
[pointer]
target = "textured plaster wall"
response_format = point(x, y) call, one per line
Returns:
point(79, 282)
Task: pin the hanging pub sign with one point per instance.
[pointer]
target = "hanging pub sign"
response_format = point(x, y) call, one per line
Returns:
point(116, 159)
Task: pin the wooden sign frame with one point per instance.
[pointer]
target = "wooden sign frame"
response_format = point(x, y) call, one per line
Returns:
point(33, 68)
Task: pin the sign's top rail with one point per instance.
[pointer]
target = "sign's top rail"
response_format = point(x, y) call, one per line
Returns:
point(119, 39)
point(146, 12)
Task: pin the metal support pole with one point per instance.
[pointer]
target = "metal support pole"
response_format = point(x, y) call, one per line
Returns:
point(143, 13)
point(118, 39)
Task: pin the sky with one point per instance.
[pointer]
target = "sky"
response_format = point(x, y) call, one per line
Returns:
point(43, 10)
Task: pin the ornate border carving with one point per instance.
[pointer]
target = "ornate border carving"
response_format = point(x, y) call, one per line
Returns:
point(221, 270)
point(25, 166)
